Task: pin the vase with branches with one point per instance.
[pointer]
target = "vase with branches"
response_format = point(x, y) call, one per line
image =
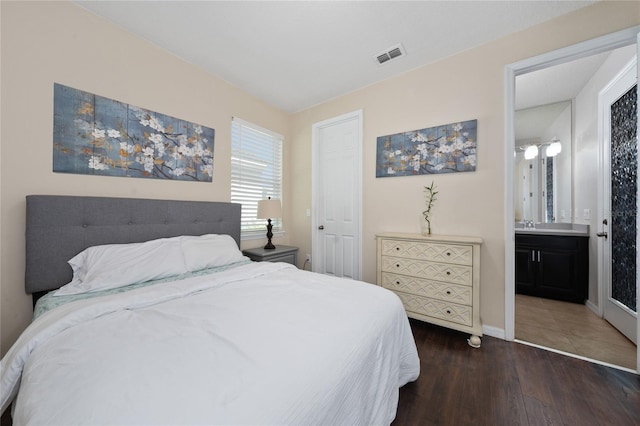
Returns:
point(431, 194)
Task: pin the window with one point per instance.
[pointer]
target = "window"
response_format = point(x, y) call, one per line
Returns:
point(256, 173)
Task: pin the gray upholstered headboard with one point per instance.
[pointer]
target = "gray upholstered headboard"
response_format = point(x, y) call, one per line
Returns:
point(59, 227)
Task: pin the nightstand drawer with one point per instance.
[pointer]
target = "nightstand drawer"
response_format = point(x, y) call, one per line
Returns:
point(281, 253)
point(288, 258)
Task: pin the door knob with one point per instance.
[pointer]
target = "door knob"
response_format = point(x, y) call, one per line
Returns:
point(321, 227)
point(602, 234)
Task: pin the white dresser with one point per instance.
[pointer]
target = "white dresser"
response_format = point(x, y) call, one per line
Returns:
point(436, 277)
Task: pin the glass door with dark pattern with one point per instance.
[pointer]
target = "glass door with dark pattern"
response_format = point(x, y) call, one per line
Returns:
point(620, 115)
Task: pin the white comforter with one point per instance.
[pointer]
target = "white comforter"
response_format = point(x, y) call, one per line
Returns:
point(263, 343)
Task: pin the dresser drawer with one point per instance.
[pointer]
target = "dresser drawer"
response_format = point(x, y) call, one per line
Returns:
point(451, 312)
point(434, 289)
point(456, 274)
point(447, 253)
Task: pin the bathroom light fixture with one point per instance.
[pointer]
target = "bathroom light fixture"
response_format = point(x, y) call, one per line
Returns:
point(531, 152)
point(554, 147)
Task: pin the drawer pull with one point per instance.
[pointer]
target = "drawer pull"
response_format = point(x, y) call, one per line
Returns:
point(397, 248)
point(398, 282)
point(448, 253)
point(448, 272)
point(397, 265)
point(448, 311)
point(448, 292)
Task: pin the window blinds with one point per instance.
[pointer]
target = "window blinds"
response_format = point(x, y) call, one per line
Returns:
point(256, 172)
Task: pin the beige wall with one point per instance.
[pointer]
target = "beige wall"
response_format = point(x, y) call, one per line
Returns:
point(47, 42)
point(463, 87)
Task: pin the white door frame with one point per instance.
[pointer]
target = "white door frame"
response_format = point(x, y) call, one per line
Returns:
point(577, 51)
point(315, 130)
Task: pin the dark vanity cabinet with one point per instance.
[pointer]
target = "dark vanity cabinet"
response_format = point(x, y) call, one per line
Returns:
point(552, 266)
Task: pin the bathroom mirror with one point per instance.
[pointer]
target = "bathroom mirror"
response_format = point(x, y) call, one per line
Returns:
point(543, 164)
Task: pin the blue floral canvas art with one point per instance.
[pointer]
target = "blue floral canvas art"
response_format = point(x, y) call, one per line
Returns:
point(100, 136)
point(443, 149)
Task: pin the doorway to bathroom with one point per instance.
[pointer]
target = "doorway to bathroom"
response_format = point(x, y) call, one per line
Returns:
point(525, 313)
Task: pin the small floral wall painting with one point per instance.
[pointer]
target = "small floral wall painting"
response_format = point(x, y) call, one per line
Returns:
point(443, 149)
point(99, 136)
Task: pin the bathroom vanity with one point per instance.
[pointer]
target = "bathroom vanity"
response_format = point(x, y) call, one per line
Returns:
point(552, 261)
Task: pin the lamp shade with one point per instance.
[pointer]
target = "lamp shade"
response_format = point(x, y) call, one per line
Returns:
point(269, 209)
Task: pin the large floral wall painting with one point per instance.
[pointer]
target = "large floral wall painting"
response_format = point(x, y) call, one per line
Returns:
point(449, 148)
point(100, 136)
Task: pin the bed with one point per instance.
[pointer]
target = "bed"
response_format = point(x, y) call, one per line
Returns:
point(157, 318)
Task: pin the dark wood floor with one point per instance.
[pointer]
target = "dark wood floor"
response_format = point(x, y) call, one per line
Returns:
point(506, 383)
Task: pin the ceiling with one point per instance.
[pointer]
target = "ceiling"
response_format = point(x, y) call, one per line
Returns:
point(531, 123)
point(541, 96)
point(557, 83)
point(297, 54)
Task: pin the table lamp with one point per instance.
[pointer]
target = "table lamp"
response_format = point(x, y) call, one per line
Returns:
point(269, 209)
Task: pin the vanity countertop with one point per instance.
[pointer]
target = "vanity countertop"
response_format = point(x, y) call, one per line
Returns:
point(568, 229)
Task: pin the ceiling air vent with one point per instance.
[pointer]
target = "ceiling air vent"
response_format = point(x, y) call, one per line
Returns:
point(389, 54)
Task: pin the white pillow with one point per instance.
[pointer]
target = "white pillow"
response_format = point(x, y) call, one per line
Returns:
point(208, 251)
point(117, 265)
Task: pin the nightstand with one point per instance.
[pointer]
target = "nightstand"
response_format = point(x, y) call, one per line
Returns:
point(281, 253)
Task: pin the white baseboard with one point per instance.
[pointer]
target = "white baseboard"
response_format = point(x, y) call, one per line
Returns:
point(594, 308)
point(494, 332)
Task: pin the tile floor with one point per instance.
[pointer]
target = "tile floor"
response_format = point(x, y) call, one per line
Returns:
point(572, 328)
